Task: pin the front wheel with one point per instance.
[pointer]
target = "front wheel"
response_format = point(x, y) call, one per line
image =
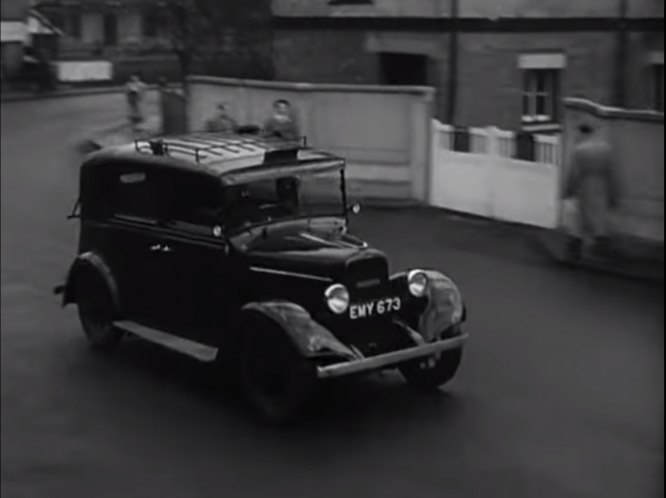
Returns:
point(277, 380)
point(433, 372)
point(96, 312)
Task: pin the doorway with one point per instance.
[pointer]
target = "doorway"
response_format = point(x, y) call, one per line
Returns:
point(403, 69)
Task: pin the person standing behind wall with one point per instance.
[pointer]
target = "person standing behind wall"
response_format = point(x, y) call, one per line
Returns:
point(222, 122)
point(282, 122)
point(591, 193)
point(134, 91)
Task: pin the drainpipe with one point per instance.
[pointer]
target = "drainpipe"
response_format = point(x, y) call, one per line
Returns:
point(452, 93)
point(621, 49)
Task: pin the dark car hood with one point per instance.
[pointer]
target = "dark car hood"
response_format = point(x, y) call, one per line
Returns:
point(320, 248)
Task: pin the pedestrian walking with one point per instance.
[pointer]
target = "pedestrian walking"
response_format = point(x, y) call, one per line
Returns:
point(591, 193)
point(134, 91)
point(282, 122)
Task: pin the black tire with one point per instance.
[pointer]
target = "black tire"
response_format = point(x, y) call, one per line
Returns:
point(276, 379)
point(97, 312)
point(427, 376)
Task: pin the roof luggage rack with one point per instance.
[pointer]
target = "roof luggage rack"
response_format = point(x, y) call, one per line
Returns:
point(231, 146)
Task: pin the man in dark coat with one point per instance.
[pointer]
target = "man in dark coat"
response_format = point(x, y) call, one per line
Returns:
point(591, 192)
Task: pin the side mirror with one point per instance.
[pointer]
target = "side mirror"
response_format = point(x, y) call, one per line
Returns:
point(354, 208)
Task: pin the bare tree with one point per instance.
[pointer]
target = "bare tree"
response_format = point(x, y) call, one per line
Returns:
point(212, 32)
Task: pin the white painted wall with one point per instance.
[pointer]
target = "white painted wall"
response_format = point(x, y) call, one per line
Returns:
point(78, 71)
point(13, 31)
point(382, 132)
point(525, 192)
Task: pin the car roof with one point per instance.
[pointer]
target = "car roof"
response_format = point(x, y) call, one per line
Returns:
point(231, 158)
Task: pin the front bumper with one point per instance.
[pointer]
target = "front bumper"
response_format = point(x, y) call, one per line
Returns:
point(389, 359)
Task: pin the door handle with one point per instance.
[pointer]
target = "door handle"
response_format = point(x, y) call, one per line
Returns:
point(160, 248)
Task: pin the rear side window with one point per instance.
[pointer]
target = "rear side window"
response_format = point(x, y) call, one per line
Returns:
point(140, 193)
point(137, 194)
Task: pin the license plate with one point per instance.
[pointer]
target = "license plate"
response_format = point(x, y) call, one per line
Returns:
point(374, 308)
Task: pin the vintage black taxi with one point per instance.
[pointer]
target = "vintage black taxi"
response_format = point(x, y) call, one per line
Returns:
point(236, 249)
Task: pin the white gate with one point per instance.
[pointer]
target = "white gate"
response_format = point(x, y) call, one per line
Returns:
point(488, 181)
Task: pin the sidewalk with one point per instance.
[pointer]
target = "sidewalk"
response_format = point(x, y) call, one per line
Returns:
point(22, 95)
point(642, 261)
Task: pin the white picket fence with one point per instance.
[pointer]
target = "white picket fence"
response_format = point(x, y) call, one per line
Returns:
point(488, 181)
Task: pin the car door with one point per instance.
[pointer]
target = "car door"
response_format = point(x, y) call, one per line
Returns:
point(130, 238)
point(197, 293)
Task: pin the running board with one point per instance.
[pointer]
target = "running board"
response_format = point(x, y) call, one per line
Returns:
point(185, 346)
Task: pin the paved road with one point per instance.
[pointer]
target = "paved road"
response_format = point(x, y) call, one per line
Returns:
point(560, 394)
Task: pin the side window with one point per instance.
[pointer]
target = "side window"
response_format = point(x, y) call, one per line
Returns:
point(195, 200)
point(136, 194)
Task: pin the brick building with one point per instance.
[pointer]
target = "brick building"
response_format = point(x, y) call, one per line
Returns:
point(134, 35)
point(505, 63)
point(13, 34)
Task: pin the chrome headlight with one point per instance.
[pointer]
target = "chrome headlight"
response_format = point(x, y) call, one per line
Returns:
point(417, 282)
point(337, 298)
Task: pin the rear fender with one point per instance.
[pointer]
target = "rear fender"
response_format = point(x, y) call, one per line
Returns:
point(89, 261)
point(311, 338)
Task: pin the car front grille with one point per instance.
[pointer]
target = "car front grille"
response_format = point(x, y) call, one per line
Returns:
point(367, 277)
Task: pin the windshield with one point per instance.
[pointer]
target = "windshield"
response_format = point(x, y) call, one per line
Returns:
point(266, 200)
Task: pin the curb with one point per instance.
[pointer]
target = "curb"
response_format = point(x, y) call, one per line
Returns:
point(640, 269)
point(59, 94)
point(73, 92)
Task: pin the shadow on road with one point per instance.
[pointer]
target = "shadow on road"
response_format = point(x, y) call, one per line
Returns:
point(344, 406)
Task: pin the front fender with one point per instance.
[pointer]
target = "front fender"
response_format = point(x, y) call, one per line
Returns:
point(89, 261)
point(310, 337)
point(444, 307)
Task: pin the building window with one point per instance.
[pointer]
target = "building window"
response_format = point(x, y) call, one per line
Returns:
point(658, 86)
point(540, 96)
point(403, 69)
point(110, 29)
point(75, 23)
point(57, 19)
point(542, 73)
point(151, 23)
